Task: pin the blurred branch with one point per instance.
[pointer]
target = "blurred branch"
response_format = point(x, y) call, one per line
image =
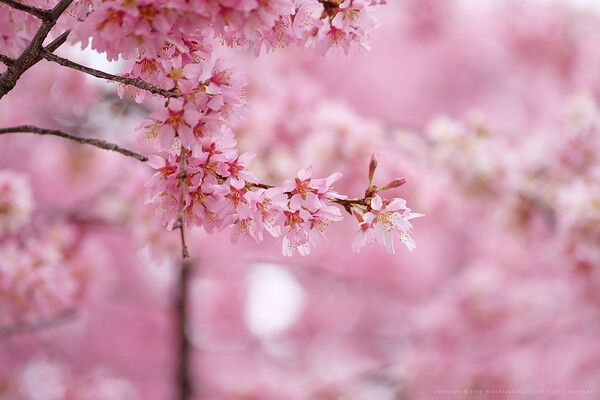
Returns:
point(34, 51)
point(91, 141)
point(29, 326)
point(104, 75)
point(184, 352)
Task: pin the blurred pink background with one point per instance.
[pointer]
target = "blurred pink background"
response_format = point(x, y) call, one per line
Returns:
point(489, 109)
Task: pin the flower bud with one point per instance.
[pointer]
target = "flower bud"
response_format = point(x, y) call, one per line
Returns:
point(372, 166)
point(394, 184)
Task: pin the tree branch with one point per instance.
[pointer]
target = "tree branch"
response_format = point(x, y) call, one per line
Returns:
point(60, 8)
point(342, 202)
point(91, 141)
point(104, 75)
point(33, 53)
point(6, 60)
point(44, 15)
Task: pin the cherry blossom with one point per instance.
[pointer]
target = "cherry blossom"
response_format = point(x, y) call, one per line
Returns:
point(382, 224)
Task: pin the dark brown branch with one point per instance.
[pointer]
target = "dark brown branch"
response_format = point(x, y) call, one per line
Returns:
point(331, 7)
point(60, 8)
point(34, 51)
point(91, 141)
point(343, 202)
point(349, 202)
point(44, 15)
point(182, 188)
point(262, 186)
point(32, 326)
point(56, 43)
point(184, 361)
point(6, 60)
point(104, 75)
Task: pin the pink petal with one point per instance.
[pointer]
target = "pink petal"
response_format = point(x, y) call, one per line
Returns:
point(396, 204)
point(305, 173)
point(376, 203)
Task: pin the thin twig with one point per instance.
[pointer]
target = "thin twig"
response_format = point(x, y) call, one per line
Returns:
point(184, 381)
point(91, 141)
point(182, 189)
point(31, 326)
point(263, 186)
point(44, 15)
point(104, 75)
point(343, 202)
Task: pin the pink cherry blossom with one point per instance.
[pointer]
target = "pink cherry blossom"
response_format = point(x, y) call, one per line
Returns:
point(308, 212)
point(381, 225)
point(178, 118)
point(258, 214)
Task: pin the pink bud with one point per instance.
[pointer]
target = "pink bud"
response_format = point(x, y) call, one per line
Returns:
point(372, 166)
point(395, 183)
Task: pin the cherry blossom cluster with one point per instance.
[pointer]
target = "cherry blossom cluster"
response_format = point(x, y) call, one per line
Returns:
point(217, 191)
point(382, 221)
point(153, 33)
point(166, 47)
point(42, 266)
point(201, 179)
point(168, 42)
point(144, 28)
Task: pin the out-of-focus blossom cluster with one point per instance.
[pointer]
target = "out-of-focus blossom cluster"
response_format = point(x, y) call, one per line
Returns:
point(548, 180)
point(43, 266)
point(16, 202)
point(295, 121)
